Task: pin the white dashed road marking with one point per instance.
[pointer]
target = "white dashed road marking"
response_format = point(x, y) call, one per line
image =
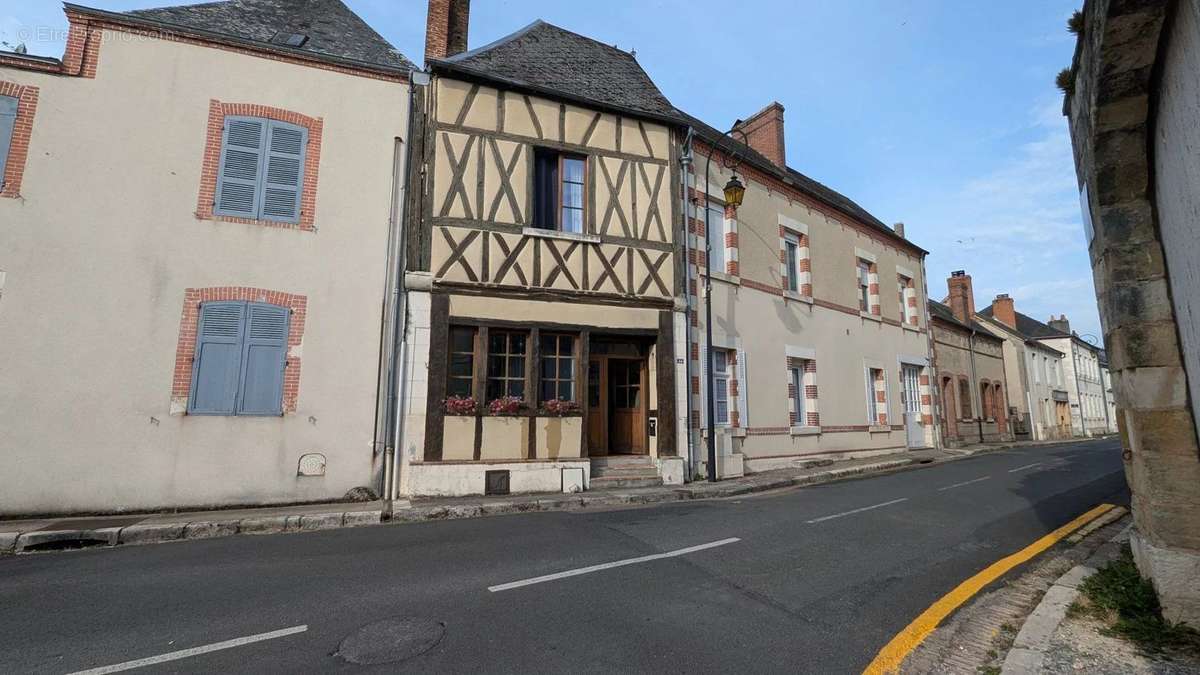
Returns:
point(194, 651)
point(1022, 468)
point(609, 565)
point(965, 482)
point(847, 513)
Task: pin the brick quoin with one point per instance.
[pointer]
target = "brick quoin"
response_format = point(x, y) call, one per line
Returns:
point(18, 151)
point(217, 112)
point(185, 350)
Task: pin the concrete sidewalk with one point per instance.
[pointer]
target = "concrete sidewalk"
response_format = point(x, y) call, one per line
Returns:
point(22, 536)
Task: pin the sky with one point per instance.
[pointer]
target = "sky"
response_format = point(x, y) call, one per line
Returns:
point(942, 114)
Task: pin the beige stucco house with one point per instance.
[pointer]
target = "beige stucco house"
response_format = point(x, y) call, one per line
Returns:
point(820, 343)
point(1037, 389)
point(972, 395)
point(194, 226)
point(541, 268)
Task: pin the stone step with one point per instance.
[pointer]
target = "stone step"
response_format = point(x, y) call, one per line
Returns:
point(621, 482)
point(623, 460)
point(628, 471)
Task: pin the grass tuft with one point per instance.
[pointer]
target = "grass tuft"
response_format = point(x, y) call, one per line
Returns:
point(1119, 596)
point(1075, 23)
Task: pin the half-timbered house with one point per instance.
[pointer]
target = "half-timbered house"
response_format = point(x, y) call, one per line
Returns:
point(542, 267)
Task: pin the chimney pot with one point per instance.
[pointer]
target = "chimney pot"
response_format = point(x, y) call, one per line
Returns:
point(899, 227)
point(446, 28)
point(764, 133)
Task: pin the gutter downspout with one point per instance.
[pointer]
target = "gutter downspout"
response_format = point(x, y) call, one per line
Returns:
point(685, 164)
point(400, 345)
point(975, 385)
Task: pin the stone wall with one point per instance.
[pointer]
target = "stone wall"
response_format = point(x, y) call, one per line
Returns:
point(1118, 70)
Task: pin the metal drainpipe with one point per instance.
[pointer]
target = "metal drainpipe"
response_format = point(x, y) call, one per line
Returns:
point(397, 311)
point(685, 163)
point(400, 388)
point(387, 341)
point(975, 383)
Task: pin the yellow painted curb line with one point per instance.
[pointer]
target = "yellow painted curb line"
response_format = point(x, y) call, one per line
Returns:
point(889, 658)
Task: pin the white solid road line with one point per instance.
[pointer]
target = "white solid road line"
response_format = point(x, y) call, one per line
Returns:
point(865, 508)
point(609, 565)
point(965, 482)
point(1022, 468)
point(194, 651)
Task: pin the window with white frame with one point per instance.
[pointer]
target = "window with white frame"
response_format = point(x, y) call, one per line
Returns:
point(796, 389)
point(791, 260)
point(720, 364)
point(876, 396)
point(908, 311)
point(864, 285)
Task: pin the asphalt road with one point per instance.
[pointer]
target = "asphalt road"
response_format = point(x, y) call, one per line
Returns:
point(816, 582)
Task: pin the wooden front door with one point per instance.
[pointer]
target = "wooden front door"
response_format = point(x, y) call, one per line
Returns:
point(597, 406)
point(626, 405)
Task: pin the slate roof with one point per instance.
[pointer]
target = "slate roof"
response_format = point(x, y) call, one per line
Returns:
point(542, 57)
point(1028, 326)
point(944, 313)
point(789, 175)
point(332, 29)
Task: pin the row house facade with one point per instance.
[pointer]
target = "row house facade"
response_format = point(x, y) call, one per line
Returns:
point(820, 345)
point(1086, 387)
point(193, 224)
point(1038, 399)
point(972, 392)
point(542, 268)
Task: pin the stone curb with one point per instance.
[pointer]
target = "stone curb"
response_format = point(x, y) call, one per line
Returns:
point(154, 533)
point(1028, 651)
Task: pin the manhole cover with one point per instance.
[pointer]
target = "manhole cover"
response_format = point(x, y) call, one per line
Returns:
point(391, 640)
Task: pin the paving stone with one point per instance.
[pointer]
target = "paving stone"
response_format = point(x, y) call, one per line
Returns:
point(207, 529)
point(320, 521)
point(151, 533)
point(8, 541)
point(264, 525)
point(360, 518)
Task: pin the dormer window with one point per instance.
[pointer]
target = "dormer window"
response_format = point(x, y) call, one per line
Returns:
point(559, 190)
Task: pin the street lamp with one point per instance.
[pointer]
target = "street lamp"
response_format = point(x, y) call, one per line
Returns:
point(734, 192)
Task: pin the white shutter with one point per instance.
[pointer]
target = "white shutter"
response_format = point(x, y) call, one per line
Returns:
point(870, 395)
point(703, 403)
point(743, 396)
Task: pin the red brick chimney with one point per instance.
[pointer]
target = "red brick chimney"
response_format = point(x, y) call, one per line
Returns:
point(1003, 311)
point(764, 133)
point(962, 296)
point(446, 28)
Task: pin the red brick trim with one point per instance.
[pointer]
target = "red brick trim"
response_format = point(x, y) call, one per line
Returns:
point(82, 55)
point(18, 151)
point(217, 112)
point(185, 350)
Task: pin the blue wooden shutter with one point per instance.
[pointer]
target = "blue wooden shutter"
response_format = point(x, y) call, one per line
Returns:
point(239, 176)
point(8, 118)
point(218, 358)
point(263, 360)
point(284, 175)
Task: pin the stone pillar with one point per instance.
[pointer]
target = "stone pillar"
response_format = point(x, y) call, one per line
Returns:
point(1127, 51)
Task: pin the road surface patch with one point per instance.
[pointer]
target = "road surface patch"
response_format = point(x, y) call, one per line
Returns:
point(609, 565)
point(194, 651)
point(390, 641)
point(889, 658)
point(854, 511)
